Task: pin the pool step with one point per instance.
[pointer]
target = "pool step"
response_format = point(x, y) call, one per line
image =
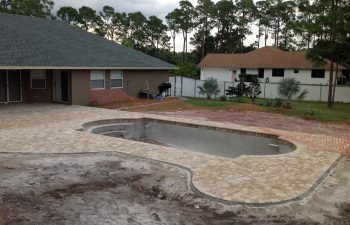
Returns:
point(119, 133)
point(112, 128)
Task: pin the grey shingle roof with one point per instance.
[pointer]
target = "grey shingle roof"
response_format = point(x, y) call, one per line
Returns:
point(34, 42)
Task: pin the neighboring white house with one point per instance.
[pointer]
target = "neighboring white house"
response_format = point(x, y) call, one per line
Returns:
point(267, 62)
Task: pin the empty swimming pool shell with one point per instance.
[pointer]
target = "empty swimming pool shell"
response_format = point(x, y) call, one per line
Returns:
point(198, 138)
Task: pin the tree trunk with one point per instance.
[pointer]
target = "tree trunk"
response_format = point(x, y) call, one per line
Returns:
point(335, 82)
point(331, 72)
point(259, 34)
point(183, 47)
point(174, 52)
point(278, 32)
point(330, 86)
point(265, 36)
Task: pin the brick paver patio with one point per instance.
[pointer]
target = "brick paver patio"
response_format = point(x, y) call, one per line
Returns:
point(247, 179)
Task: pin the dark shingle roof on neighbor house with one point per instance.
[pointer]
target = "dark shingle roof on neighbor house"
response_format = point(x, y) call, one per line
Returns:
point(29, 42)
point(266, 57)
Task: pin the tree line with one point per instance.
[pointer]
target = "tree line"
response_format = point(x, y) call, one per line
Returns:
point(320, 26)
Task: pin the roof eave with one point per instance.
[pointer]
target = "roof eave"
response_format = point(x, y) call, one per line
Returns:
point(85, 68)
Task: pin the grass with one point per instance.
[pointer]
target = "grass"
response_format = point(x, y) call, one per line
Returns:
point(339, 113)
point(211, 103)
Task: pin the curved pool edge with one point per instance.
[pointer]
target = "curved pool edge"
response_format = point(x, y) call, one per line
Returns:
point(298, 148)
point(292, 144)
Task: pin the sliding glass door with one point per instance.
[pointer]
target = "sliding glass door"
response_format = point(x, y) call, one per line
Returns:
point(3, 86)
point(10, 86)
point(14, 84)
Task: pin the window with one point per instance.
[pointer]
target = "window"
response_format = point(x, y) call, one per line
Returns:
point(116, 79)
point(278, 72)
point(296, 71)
point(243, 71)
point(97, 79)
point(317, 73)
point(38, 79)
point(261, 73)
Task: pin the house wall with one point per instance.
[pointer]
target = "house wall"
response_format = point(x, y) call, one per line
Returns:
point(304, 76)
point(136, 80)
point(133, 82)
point(36, 95)
point(226, 74)
point(80, 91)
point(221, 74)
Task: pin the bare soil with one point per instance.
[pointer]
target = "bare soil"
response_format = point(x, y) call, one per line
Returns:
point(109, 188)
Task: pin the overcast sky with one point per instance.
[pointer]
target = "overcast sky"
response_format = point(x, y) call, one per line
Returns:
point(159, 8)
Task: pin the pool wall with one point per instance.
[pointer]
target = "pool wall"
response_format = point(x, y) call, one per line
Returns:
point(205, 139)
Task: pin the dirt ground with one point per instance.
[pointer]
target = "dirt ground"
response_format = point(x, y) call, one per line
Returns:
point(109, 188)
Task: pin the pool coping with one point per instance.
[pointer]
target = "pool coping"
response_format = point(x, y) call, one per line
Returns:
point(88, 125)
point(296, 146)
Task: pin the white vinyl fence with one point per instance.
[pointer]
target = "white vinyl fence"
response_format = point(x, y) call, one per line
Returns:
point(187, 87)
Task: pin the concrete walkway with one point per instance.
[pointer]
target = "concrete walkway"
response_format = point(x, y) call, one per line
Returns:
point(247, 179)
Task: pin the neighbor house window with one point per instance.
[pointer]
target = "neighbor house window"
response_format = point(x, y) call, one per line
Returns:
point(243, 71)
point(278, 72)
point(116, 79)
point(97, 79)
point(317, 73)
point(296, 71)
point(38, 79)
point(261, 73)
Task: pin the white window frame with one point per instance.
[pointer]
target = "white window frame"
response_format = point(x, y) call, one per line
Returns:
point(32, 77)
point(120, 72)
point(104, 79)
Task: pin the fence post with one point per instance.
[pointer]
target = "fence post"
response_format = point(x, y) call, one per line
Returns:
point(320, 92)
point(175, 86)
point(195, 87)
point(181, 85)
point(224, 87)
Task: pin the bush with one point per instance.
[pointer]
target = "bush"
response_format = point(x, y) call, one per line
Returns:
point(240, 90)
point(223, 98)
point(254, 89)
point(278, 103)
point(268, 104)
point(290, 87)
point(287, 105)
point(209, 87)
point(302, 95)
point(310, 112)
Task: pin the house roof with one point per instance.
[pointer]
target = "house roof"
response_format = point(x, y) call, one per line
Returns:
point(266, 57)
point(29, 42)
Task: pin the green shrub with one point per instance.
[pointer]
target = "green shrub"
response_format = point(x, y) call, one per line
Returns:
point(209, 87)
point(288, 87)
point(268, 104)
point(278, 103)
point(254, 89)
point(240, 90)
point(223, 98)
point(310, 112)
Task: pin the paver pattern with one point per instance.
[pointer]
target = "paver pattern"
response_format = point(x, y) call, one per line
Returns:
point(247, 179)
